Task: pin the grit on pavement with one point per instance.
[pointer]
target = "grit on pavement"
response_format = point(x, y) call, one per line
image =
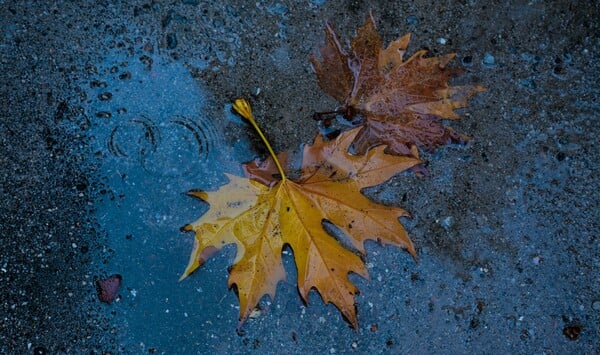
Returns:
point(112, 110)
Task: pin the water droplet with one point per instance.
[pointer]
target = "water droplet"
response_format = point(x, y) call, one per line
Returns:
point(147, 61)
point(467, 61)
point(105, 96)
point(559, 72)
point(103, 114)
point(124, 76)
point(98, 84)
point(171, 41)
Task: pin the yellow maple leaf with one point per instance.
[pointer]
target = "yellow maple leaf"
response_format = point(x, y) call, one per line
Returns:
point(261, 220)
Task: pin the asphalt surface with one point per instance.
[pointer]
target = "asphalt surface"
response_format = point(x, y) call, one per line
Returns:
point(111, 111)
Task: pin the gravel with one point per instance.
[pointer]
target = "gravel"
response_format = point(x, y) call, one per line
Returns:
point(111, 110)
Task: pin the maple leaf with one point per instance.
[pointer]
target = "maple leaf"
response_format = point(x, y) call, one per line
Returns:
point(261, 220)
point(266, 171)
point(402, 102)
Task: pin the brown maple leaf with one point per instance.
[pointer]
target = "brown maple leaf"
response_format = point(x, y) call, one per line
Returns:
point(402, 102)
point(266, 171)
point(260, 220)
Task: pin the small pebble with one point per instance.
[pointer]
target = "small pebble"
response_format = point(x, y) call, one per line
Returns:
point(530, 57)
point(447, 222)
point(573, 331)
point(489, 60)
point(528, 84)
point(412, 20)
point(596, 305)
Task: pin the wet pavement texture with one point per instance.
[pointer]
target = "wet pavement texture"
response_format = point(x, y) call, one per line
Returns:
point(112, 111)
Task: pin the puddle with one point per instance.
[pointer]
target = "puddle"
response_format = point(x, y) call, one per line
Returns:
point(153, 142)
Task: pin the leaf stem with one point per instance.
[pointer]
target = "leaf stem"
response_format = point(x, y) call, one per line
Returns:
point(243, 108)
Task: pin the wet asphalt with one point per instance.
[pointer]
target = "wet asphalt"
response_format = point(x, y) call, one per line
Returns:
point(110, 112)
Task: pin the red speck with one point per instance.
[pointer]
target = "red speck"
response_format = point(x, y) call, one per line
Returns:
point(108, 288)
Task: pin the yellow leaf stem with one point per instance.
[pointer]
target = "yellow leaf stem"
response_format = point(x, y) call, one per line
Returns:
point(243, 108)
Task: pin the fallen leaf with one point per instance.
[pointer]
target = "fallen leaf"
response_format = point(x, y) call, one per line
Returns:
point(328, 158)
point(108, 288)
point(260, 220)
point(266, 171)
point(402, 102)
